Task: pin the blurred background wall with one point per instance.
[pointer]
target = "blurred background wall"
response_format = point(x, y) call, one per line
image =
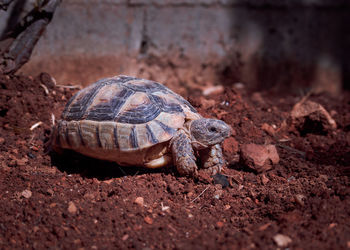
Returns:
point(278, 44)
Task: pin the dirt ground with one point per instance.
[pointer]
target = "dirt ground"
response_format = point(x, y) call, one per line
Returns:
point(74, 202)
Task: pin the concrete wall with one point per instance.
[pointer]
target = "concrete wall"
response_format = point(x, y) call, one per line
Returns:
point(184, 42)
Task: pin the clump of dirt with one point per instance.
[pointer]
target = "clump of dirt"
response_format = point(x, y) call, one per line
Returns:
point(71, 201)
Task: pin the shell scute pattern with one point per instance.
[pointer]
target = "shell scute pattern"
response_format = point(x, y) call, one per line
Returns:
point(123, 113)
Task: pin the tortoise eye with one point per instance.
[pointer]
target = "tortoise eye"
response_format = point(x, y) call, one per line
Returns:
point(212, 129)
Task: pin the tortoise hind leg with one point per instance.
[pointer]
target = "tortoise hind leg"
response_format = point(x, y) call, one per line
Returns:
point(212, 159)
point(183, 155)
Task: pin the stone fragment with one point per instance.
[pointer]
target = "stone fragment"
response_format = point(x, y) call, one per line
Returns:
point(72, 208)
point(311, 117)
point(221, 180)
point(259, 157)
point(299, 198)
point(282, 240)
point(139, 201)
point(264, 179)
point(217, 194)
point(125, 237)
point(219, 224)
point(213, 90)
point(148, 220)
point(26, 194)
point(268, 129)
point(21, 162)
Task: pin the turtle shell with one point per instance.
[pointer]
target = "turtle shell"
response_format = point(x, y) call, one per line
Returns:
point(123, 114)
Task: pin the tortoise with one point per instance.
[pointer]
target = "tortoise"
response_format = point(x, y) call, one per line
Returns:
point(138, 122)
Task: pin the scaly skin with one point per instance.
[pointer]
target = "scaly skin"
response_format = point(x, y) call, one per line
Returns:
point(183, 154)
point(212, 159)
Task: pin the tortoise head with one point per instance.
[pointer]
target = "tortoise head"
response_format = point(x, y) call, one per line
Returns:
point(208, 132)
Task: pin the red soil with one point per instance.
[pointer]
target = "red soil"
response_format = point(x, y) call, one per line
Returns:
point(71, 201)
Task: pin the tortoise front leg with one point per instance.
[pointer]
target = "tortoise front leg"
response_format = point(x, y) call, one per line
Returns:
point(212, 159)
point(183, 154)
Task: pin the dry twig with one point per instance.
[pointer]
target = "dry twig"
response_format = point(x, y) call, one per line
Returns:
point(200, 194)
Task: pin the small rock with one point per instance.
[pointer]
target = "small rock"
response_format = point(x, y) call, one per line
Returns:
point(125, 237)
point(264, 227)
point(299, 198)
point(21, 162)
point(217, 194)
point(259, 157)
point(2, 140)
point(221, 179)
point(35, 229)
point(72, 208)
point(268, 129)
point(108, 181)
point(311, 117)
point(47, 80)
point(148, 220)
point(282, 240)
point(219, 224)
point(50, 191)
point(52, 205)
point(164, 208)
point(26, 194)
point(77, 241)
point(212, 90)
point(139, 201)
point(332, 225)
point(264, 179)
point(239, 85)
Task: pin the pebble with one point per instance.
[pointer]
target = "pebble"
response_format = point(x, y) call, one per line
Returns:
point(221, 180)
point(21, 162)
point(26, 194)
point(282, 240)
point(217, 194)
point(332, 225)
point(2, 140)
point(213, 90)
point(219, 224)
point(72, 208)
point(259, 157)
point(35, 229)
point(239, 85)
point(50, 191)
point(227, 207)
point(268, 129)
point(299, 198)
point(125, 237)
point(139, 201)
point(148, 220)
point(108, 182)
point(47, 80)
point(304, 109)
point(264, 179)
